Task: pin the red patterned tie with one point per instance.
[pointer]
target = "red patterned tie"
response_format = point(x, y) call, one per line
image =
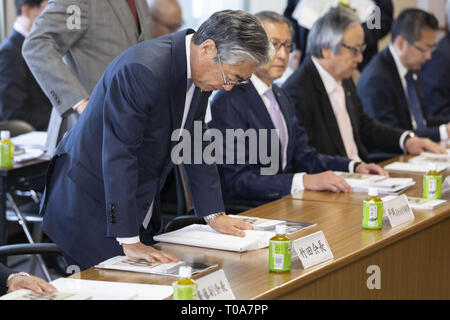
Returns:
point(133, 9)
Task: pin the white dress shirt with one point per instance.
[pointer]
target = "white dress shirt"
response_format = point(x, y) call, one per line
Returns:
point(402, 71)
point(189, 95)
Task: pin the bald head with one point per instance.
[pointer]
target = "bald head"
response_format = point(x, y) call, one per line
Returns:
point(166, 16)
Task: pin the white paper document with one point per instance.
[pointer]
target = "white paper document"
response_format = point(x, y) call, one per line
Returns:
point(76, 289)
point(165, 269)
point(204, 236)
point(384, 185)
point(412, 167)
point(35, 139)
point(427, 160)
point(420, 203)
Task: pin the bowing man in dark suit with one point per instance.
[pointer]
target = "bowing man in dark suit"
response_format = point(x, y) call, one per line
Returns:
point(21, 98)
point(11, 281)
point(102, 195)
point(436, 77)
point(326, 100)
point(261, 105)
point(390, 86)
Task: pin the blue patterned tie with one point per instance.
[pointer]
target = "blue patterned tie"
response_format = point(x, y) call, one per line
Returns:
point(414, 103)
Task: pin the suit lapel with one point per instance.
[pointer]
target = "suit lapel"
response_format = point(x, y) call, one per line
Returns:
point(327, 109)
point(125, 17)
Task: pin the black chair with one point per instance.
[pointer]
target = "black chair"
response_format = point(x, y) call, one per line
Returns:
point(183, 221)
point(35, 248)
point(16, 127)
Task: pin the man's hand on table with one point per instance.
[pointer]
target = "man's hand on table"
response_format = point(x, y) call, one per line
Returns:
point(416, 146)
point(140, 251)
point(228, 225)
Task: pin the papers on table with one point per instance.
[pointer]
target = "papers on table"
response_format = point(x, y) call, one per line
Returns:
point(428, 159)
point(30, 145)
point(413, 167)
point(166, 269)
point(76, 289)
point(384, 185)
point(308, 12)
point(269, 224)
point(206, 237)
point(420, 203)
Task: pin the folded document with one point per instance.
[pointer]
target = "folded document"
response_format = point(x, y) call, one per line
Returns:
point(384, 185)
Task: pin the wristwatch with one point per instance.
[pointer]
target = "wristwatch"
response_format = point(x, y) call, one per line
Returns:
point(208, 218)
point(12, 275)
point(408, 136)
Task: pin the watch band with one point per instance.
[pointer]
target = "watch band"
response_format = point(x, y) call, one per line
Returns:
point(12, 275)
point(208, 218)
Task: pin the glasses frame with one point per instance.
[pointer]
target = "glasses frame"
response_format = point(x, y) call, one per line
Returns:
point(356, 51)
point(423, 51)
point(231, 82)
point(284, 44)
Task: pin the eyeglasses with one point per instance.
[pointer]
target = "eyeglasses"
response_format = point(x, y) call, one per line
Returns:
point(422, 50)
point(288, 45)
point(171, 27)
point(230, 82)
point(356, 50)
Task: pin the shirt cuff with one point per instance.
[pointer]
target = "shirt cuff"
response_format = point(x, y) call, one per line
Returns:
point(351, 166)
point(76, 106)
point(297, 183)
point(402, 140)
point(131, 240)
point(443, 132)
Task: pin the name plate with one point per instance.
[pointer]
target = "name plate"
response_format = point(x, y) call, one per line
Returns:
point(214, 286)
point(312, 249)
point(397, 210)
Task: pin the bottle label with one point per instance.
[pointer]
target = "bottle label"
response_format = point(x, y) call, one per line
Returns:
point(280, 255)
point(432, 187)
point(184, 292)
point(6, 155)
point(373, 215)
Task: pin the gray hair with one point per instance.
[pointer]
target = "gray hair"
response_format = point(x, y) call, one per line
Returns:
point(239, 36)
point(329, 30)
point(275, 17)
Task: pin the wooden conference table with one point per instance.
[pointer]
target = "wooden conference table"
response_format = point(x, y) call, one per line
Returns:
point(414, 258)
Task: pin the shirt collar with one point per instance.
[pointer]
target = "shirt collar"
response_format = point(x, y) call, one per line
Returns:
point(328, 80)
point(402, 70)
point(20, 27)
point(259, 85)
point(188, 55)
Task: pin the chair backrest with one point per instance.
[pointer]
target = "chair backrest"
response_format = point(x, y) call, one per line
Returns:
point(183, 221)
point(16, 127)
point(29, 248)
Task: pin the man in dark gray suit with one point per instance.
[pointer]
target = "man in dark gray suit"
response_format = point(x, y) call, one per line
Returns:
point(70, 46)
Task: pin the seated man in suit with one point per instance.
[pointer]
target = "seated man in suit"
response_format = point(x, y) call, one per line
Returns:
point(102, 193)
point(11, 281)
point(436, 77)
point(21, 98)
point(326, 100)
point(390, 86)
point(261, 104)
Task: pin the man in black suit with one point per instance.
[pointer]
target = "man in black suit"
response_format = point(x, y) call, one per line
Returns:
point(327, 103)
point(436, 77)
point(390, 86)
point(21, 98)
point(11, 281)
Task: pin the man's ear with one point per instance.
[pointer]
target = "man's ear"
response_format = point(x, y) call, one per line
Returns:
point(208, 49)
point(400, 43)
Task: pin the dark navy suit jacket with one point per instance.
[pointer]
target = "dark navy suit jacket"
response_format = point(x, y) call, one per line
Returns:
point(243, 108)
point(315, 113)
point(4, 274)
point(109, 168)
point(384, 98)
point(21, 98)
point(436, 80)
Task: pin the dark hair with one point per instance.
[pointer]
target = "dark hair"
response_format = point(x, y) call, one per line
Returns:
point(31, 3)
point(274, 17)
point(238, 36)
point(410, 22)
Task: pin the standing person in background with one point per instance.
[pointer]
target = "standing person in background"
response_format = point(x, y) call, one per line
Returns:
point(21, 98)
point(70, 46)
point(436, 77)
point(166, 16)
point(371, 36)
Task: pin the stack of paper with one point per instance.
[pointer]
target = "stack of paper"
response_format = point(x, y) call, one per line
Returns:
point(421, 203)
point(206, 237)
point(428, 159)
point(270, 224)
point(413, 167)
point(31, 145)
point(166, 269)
point(384, 185)
point(76, 289)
